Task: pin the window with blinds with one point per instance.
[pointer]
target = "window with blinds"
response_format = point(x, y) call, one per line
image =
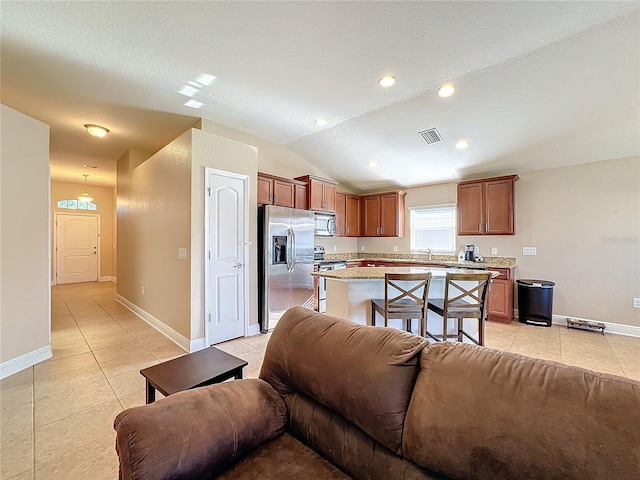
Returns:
point(433, 228)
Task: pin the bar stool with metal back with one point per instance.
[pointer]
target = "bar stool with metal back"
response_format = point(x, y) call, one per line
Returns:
point(462, 301)
point(405, 297)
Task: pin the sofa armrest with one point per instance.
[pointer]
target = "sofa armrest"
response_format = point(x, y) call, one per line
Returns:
point(197, 433)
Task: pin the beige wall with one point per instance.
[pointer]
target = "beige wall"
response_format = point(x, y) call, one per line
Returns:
point(25, 292)
point(154, 221)
point(161, 209)
point(272, 157)
point(103, 197)
point(224, 154)
point(584, 221)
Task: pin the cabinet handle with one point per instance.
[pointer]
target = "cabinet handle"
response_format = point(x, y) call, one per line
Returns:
point(486, 226)
point(275, 198)
point(480, 227)
point(381, 230)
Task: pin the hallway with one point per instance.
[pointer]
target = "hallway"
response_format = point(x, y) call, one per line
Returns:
point(57, 417)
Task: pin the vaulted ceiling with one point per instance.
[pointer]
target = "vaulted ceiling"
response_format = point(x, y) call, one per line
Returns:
point(538, 84)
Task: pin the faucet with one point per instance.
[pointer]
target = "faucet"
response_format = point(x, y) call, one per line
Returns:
point(429, 252)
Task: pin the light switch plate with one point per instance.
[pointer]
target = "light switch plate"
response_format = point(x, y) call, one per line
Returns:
point(528, 250)
point(636, 303)
point(494, 251)
point(182, 253)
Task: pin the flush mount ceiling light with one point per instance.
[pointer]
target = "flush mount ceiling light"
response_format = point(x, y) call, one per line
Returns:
point(85, 196)
point(446, 90)
point(462, 144)
point(321, 121)
point(372, 164)
point(387, 81)
point(96, 130)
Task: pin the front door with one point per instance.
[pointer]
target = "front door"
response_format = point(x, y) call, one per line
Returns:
point(76, 248)
point(227, 215)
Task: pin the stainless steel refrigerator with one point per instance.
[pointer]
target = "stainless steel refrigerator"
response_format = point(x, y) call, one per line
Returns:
point(285, 256)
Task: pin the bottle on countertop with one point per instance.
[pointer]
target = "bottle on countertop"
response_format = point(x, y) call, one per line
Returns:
point(461, 256)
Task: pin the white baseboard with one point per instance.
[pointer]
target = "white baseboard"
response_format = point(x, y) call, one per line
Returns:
point(254, 329)
point(167, 331)
point(108, 279)
point(617, 328)
point(27, 360)
point(197, 344)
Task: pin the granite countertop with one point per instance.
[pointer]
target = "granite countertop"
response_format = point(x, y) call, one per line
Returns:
point(375, 273)
point(448, 260)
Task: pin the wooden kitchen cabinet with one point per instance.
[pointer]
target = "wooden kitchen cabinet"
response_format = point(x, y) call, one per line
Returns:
point(486, 207)
point(355, 263)
point(280, 191)
point(300, 198)
point(500, 296)
point(321, 193)
point(347, 215)
point(383, 215)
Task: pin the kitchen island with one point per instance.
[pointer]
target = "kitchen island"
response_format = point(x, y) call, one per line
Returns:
point(349, 293)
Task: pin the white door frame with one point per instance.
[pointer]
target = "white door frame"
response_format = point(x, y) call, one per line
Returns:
point(207, 239)
point(55, 241)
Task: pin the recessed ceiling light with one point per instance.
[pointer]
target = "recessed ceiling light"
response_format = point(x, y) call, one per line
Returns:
point(188, 90)
point(462, 144)
point(205, 79)
point(96, 130)
point(387, 81)
point(193, 103)
point(372, 163)
point(446, 90)
point(321, 121)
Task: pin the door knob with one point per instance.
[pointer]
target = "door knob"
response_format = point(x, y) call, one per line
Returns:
point(237, 265)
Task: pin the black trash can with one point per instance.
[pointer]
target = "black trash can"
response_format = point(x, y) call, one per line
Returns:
point(535, 302)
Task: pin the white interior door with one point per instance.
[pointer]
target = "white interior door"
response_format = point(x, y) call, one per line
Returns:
point(227, 215)
point(76, 248)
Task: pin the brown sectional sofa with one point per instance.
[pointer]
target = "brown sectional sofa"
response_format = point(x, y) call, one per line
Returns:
point(337, 400)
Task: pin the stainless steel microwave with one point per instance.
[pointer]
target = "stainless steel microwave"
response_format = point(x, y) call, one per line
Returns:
point(324, 224)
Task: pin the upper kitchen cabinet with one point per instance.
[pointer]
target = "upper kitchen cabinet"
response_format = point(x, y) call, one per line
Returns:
point(279, 191)
point(347, 215)
point(486, 207)
point(321, 193)
point(383, 214)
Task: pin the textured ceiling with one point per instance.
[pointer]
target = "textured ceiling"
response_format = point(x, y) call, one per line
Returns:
point(539, 84)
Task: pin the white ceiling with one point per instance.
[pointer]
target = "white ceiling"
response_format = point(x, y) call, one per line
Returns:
point(539, 84)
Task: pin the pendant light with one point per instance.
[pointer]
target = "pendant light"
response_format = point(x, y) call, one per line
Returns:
point(85, 196)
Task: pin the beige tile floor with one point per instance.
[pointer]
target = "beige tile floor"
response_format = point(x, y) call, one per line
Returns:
point(57, 417)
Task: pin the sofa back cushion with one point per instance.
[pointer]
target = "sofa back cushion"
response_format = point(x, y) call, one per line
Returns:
point(478, 413)
point(366, 374)
point(346, 446)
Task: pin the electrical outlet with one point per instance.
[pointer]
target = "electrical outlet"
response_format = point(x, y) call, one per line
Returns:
point(528, 250)
point(494, 251)
point(335, 248)
point(362, 248)
point(142, 290)
point(636, 303)
point(395, 248)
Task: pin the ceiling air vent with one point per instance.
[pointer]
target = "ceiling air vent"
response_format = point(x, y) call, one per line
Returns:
point(431, 136)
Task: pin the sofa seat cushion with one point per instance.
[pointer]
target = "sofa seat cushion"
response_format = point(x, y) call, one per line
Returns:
point(478, 413)
point(364, 373)
point(280, 459)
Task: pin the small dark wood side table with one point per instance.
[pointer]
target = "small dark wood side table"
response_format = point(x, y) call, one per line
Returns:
point(197, 369)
